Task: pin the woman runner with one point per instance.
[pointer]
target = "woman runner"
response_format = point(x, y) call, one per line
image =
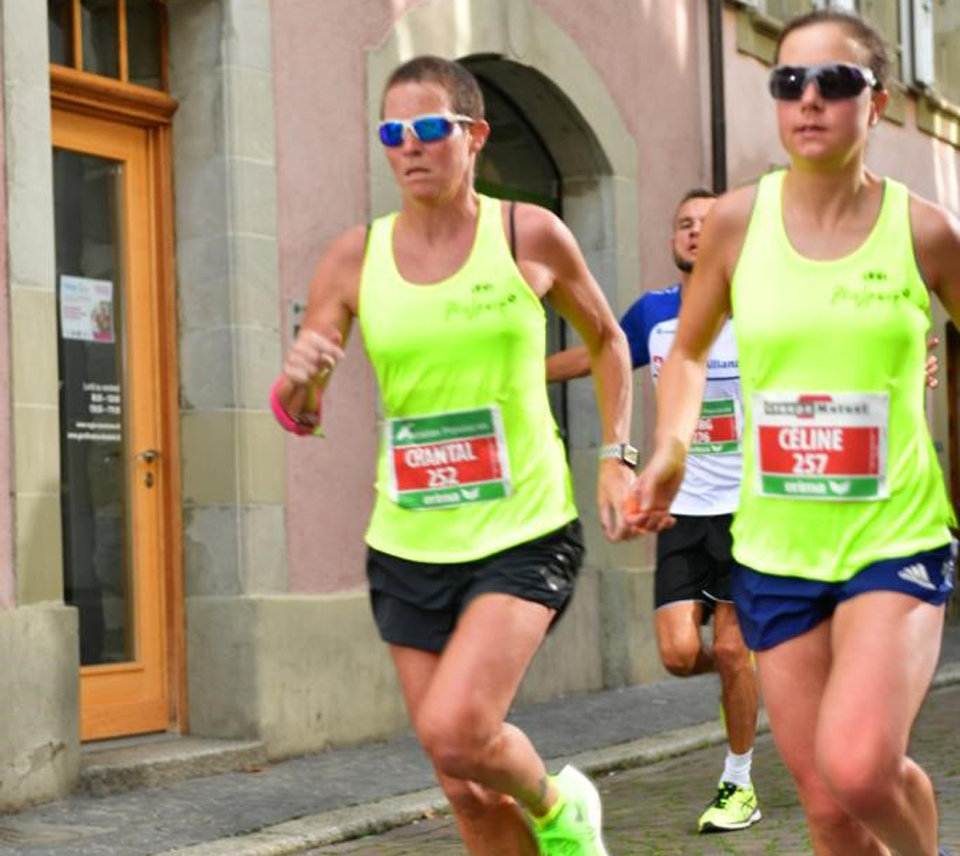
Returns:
point(842, 536)
point(474, 545)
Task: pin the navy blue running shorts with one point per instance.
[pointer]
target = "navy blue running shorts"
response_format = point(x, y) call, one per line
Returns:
point(772, 608)
point(417, 604)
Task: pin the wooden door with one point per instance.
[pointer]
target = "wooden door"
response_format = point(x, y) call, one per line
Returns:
point(111, 440)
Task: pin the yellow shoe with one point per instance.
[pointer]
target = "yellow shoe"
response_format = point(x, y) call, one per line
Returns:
point(732, 808)
point(575, 829)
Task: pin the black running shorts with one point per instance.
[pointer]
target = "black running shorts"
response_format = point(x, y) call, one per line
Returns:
point(417, 603)
point(694, 560)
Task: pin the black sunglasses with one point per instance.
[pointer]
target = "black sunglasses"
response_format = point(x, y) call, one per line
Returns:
point(835, 81)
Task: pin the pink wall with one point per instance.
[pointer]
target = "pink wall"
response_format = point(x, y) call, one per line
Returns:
point(8, 581)
point(322, 178)
point(649, 56)
point(321, 161)
point(647, 53)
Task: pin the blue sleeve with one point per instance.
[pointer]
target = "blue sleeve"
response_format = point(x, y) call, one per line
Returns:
point(637, 331)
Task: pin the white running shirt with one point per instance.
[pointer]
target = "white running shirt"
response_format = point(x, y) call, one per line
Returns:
point(714, 466)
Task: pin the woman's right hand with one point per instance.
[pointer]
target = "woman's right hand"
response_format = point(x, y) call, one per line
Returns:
point(311, 356)
point(648, 502)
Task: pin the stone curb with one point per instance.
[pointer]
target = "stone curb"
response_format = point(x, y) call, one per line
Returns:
point(318, 830)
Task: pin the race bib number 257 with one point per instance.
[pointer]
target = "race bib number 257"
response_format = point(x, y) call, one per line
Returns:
point(823, 446)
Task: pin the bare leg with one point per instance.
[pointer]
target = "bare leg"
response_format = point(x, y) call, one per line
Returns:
point(682, 651)
point(490, 823)
point(461, 700)
point(885, 650)
point(738, 680)
point(461, 720)
point(793, 676)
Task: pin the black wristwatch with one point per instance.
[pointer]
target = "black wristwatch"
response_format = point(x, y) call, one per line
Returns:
point(623, 452)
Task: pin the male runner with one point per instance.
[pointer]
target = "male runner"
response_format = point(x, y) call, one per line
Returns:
point(694, 561)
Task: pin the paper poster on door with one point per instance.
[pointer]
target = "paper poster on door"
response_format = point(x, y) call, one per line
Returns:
point(86, 309)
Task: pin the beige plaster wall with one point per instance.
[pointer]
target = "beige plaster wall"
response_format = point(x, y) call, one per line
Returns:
point(39, 740)
point(304, 673)
point(7, 577)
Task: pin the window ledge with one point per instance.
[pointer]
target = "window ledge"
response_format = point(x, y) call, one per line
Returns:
point(757, 37)
point(938, 117)
point(757, 34)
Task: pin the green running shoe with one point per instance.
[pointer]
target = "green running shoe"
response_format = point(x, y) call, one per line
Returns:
point(732, 808)
point(575, 830)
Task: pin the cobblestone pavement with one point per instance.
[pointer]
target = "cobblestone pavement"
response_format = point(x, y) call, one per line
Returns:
point(653, 810)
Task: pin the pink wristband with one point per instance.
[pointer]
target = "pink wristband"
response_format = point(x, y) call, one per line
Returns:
point(305, 423)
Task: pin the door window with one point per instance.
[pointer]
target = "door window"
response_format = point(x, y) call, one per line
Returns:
point(91, 327)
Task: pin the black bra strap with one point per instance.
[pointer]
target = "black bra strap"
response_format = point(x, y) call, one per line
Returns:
point(513, 230)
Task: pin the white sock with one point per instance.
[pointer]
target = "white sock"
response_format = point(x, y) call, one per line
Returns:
point(736, 768)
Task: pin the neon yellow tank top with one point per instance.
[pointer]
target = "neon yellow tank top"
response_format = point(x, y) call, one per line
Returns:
point(471, 461)
point(839, 469)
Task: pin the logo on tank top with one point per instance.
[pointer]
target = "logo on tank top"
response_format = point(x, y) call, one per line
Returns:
point(875, 287)
point(484, 301)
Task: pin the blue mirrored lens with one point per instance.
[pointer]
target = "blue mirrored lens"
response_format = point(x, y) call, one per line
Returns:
point(391, 133)
point(429, 129)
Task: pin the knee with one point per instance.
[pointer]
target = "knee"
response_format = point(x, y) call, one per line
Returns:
point(679, 657)
point(862, 775)
point(455, 742)
point(731, 656)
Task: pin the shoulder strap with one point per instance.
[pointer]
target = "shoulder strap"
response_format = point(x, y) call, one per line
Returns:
point(513, 229)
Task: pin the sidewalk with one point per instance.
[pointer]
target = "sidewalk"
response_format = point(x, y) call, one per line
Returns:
point(652, 810)
point(296, 805)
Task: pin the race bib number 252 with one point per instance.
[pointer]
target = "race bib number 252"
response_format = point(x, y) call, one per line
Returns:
point(448, 459)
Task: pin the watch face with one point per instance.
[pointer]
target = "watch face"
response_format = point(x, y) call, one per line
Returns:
point(630, 455)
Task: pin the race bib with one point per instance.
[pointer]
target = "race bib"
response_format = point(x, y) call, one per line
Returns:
point(825, 446)
point(718, 428)
point(448, 459)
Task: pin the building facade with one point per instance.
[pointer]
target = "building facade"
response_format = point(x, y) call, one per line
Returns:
point(170, 561)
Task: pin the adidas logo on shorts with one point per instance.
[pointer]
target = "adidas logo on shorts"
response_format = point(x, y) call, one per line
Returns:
point(917, 574)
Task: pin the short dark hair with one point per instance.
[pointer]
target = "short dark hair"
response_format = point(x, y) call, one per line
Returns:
point(465, 95)
point(863, 32)
point(694, 193)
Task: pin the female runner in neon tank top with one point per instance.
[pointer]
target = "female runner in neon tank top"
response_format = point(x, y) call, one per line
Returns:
point(464, 593)
point(842, 534)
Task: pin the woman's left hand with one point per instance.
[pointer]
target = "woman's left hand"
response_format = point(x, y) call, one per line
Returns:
point(613, 485)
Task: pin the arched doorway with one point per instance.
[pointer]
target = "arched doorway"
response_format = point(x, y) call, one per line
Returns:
point(516, 164)
point(541, 150)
